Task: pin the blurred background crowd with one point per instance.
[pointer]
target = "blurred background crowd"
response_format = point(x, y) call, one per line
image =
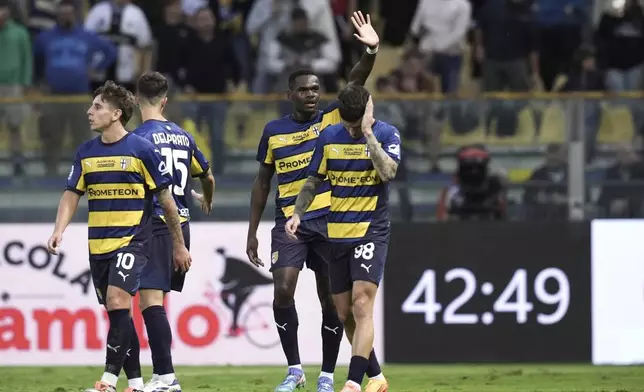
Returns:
point(539, 97)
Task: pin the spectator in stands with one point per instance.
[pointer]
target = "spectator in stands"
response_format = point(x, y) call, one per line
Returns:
point(231, 17)
point(622, 196)
point(546, 192)
point(41, 14)
point(172, 36)
point(301, 47)
point(268, 18)
point(350, 49)
point(15, 76)
point(620, 39)
point(561, 24)
point(506, 44)
point(585, 76)
point(440, 28)
point(67, 52)
point(210, 66)
point(127, 26)
point(389, 111)
point(413, 77)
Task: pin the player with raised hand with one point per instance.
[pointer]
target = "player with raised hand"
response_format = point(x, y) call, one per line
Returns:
point(120, 172)
point(359, 157)
point(183, 160)
point(286, 148)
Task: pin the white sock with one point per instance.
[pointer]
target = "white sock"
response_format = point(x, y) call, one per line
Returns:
point(136, 383)
point(155, 377)
point(378, 377)
point(355, 385)
point(167, 378)
point(295, 367)
point(110, 378)
point(327, 375)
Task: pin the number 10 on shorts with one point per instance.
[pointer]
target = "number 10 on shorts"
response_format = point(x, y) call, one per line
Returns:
point(125, 260)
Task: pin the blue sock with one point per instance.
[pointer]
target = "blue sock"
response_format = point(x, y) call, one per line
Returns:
point(374, 366)
point(287, 324)
point(119, 337)
point(132, 364)
point(332, 333)
point(357, 369)
point(160, 337)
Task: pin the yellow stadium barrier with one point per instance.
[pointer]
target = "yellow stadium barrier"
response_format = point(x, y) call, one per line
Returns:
point(250, 113)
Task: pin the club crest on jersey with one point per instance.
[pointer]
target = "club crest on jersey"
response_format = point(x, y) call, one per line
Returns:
point(366, 151)
point(316, 130)
point(124, 163)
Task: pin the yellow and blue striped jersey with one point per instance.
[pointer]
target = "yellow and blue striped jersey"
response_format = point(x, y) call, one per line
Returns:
point(119, 179)
point(182, 158)
point(359, 198)
point(288, 145)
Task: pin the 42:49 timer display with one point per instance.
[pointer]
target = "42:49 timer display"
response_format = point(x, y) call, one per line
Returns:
point(550, 287)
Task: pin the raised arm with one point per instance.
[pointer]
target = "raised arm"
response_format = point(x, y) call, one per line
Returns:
point(368, 36)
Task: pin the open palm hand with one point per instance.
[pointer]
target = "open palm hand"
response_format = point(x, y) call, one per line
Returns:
point(364, 30)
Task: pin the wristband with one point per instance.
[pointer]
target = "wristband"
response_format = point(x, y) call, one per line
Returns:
point(372, 51)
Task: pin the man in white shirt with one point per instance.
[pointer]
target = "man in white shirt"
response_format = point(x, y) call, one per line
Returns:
point(268, 18)
point(440, 28)
point(127, 26)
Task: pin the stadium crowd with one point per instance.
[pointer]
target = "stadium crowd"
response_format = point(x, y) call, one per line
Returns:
point(461, 48)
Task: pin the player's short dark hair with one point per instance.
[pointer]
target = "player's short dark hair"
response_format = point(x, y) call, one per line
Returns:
point(118, 97)
point(296, 74)
point(152, 87)
point(353, 102)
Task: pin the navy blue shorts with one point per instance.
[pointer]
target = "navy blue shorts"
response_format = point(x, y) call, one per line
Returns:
point(310, 248)
point(122, 270)
point(159, 273)
point(360, 260)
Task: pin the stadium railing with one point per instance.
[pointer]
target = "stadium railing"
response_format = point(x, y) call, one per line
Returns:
point(516, 128)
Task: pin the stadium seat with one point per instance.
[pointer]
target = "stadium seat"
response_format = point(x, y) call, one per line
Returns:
point(553, 125)
point(525, 131)
point(616, 125)
point(449, 138)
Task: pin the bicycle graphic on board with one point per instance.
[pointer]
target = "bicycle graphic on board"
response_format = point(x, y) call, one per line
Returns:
point(252, 320)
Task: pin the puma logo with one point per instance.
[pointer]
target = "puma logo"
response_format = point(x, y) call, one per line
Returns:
point(127, 354)
point(123, 275)
point(335, 150)
point(115, 349)
point(334, 330)
point(282, 327)
point(365, 267)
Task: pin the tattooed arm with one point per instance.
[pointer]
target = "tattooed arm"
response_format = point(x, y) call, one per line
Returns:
point(307, 194)
point(385, 166)
point(171, 215)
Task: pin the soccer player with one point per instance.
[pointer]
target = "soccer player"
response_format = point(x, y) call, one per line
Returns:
point(183, 160)
point(359, 157)
point(286, 147)
point(120, 172)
